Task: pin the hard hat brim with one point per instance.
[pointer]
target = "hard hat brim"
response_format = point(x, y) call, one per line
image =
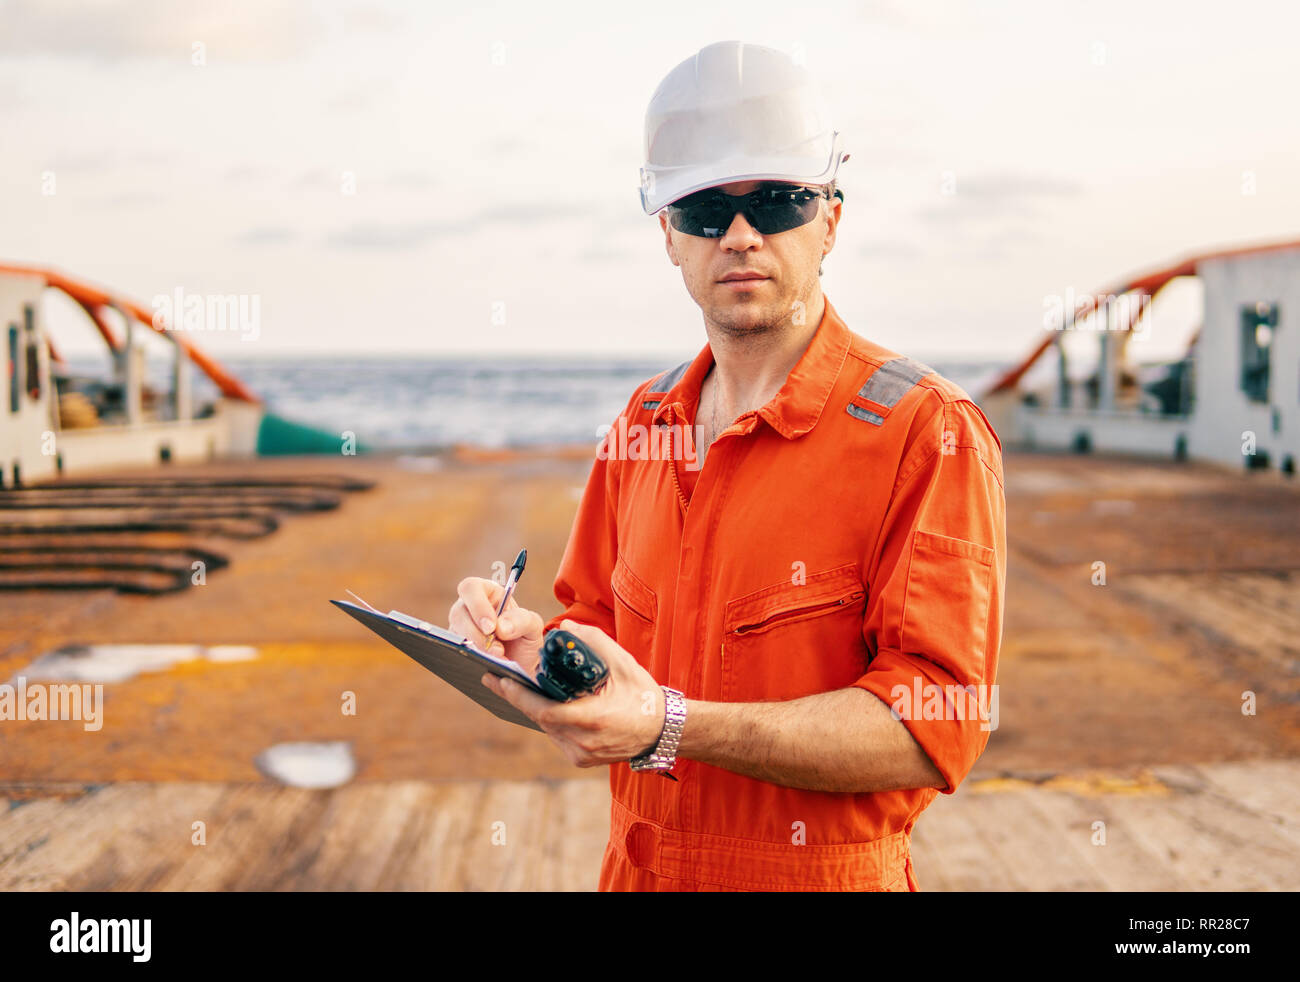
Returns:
point(669, 187)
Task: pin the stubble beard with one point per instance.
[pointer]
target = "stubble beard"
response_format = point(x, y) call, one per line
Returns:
point(752, 320)
point(748, 320)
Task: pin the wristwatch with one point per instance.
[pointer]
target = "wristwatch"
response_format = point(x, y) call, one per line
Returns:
point(663, 755)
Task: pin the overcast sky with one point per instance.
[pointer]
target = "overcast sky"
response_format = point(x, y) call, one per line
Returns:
point(494, 153)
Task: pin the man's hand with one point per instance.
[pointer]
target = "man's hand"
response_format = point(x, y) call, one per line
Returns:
point(620, 722)
point(518, 632)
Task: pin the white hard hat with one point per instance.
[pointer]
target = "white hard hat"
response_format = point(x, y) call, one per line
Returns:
point(735, 112)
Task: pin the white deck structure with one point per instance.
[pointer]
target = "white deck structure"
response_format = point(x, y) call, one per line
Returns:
point(35, 445)
point(1234, 399)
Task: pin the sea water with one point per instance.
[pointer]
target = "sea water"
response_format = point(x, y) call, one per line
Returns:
point(428, 402)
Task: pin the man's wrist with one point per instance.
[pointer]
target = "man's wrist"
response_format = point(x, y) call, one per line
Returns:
point(704, 724)
point(716, 731)
point(662, 755)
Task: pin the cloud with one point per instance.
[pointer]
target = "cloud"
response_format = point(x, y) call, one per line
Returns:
point(504, 146)
point(87, 163)
point(10, 94)
point(392, 236)
point(357, 95)
point(885, 14)
point(243, 173)
point(414, 235)
point(409, 181)
point(352, 99)
point(128, 199)
point(531, 213)
point(1000, 187)
point(318, 179)
point(371, 17)
point(321, 179)
point(266, 235)
point(994, 197)
point(598, 252)
point(111, 30)
point(886, 251)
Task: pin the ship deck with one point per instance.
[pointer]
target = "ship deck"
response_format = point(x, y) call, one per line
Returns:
point(1119, 704)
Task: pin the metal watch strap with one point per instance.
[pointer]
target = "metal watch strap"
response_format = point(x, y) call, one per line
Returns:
point(663, 755)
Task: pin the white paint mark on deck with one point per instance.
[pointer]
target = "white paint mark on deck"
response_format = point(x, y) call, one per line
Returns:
point(421, 463)
point(308, 765)
point(120, 662)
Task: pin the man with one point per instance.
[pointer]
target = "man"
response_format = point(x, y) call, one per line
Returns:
point(801, 610)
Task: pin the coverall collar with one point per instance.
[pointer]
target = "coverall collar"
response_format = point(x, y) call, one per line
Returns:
point(798, 404)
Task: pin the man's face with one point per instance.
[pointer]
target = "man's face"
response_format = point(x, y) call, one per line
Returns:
point(786, 264)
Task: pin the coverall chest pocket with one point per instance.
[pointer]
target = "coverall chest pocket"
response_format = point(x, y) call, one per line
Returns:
point(636, 610)
point(795, 639)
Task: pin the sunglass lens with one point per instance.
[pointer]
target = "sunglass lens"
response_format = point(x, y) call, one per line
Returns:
point(779, 210)
point(708, 215)
point(771, 210)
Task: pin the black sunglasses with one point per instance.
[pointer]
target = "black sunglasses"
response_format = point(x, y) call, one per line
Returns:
point(709, 213)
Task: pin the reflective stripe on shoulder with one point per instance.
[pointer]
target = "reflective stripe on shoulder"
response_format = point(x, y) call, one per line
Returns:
point(664, 384)
point(886, 386)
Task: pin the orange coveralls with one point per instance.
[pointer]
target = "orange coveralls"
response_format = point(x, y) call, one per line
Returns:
point(851, 532)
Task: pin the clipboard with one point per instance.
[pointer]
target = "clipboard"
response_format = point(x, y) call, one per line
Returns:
point(449, 656)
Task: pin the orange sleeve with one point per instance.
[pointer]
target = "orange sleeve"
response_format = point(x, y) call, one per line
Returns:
point(582, 585)
point(933, 622)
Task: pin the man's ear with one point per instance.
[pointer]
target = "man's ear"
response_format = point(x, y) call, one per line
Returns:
point(668, 237)
point(835, 213)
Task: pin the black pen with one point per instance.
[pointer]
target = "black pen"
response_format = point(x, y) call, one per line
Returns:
point(516, 571)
